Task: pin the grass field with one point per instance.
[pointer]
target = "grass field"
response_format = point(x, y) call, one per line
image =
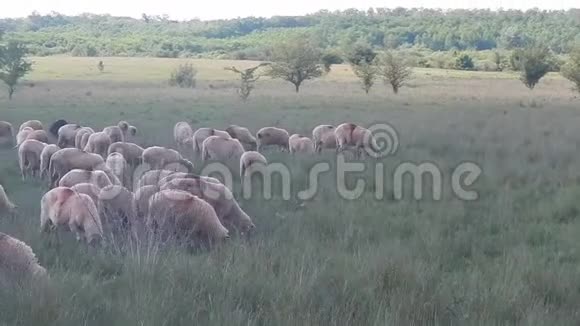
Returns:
point(512, 257)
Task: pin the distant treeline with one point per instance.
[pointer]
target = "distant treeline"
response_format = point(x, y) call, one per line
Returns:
point(252, 38)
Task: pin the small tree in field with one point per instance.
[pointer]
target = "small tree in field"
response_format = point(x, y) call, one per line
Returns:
point(101, 66)
point(295, 61)
point(571, 70)
point(13, 65)
point(183, 76)
point(394, 70)
point(362, 60)
point(367, 73)
point(247, 79)
point(533, 64)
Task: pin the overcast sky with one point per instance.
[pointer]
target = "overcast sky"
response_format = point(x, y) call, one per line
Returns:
point(215, 9)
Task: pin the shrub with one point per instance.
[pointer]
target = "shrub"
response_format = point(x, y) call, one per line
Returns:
point(464, 62)
point(533, 63)
point(571, 70)
point(183, 76)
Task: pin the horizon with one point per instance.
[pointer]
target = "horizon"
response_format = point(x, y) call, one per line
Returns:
point(219, 10)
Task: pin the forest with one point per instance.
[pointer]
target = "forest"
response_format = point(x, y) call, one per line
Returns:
point(423, 30)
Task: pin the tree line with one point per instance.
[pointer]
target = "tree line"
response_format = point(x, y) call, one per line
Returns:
point(252, 37)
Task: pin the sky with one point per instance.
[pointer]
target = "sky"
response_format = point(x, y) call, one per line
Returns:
point(223, 9)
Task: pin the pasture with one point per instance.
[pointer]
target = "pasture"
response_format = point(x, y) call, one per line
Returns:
point(511, 257)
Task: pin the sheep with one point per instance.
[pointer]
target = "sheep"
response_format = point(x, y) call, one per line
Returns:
point(183, 175)
point(55, 126)
point(68, 159)
point(115, 133)
point(98, 143)
point(222, 149)
point(272, 136)
point(45, 156)
point(23, 135)
point(184, 216)
point(80, 138)
point(323, 137)
point(67, 135)
point(250, 159)
point(6, 134)
point(200, 135)
point(142, 196)
point(132, 131)
point(64, 207)
point(116, 206)
point(6, 206)
point(219, 197)
point(76, 176)
point(124, 126)
point(88, 189)
point(152, 178)
point(132, 153)
point(39, 135)
point(18, 263)
point(351, 135)
point(183, 135)
point(164, 158)
point(32, 124)
point(244, 136)
point(300, 144)
point(29, 154)
point(119, 167)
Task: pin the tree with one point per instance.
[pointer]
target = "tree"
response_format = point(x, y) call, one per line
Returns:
point(533, 64)
point(183, 76)
point(330, 59)
point(394, 70)
point(101, 66)
point(367, 73)
point(13, 65)
point(571, 70)
point(295, 61)
point(247, 79)
point(360, 53)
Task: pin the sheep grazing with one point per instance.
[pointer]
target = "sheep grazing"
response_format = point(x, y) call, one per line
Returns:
point(249, 160)
point(244, 136)
point(226, 150)
point(76, 176)
point(164, 158)
point(183, 135)
point(219, 197)
point(116, 206)
point(64, 207)
point(67, 135)
point(132, 153)
point(142, 196)
point(32, 124)
point(201, 134)
point(88, 189)
point(56, 126)
point(39, 135)
point(23, 135)
point(6, 206)
point(300, 144)
point(272, 136)
point(45, 156)
point(6, 134)
point(183, 175)
point(29, 155)
point(115, 134)
point(132, 131)
point(119, 167)
point(349, 135)
point(153, 177)
point(184, 216)
point(98, 143)
point(80, 139)
point(18, 263)
point(68, 159)
point(323, 137)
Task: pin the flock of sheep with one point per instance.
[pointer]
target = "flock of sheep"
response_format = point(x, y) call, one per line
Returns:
point(95, 194)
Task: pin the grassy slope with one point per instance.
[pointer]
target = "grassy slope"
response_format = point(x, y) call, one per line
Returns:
point(511, 257)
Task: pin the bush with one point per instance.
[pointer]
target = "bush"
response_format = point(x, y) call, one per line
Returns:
point(464, 62)
point(84, 50)
point(571, 70)
point(183, 76)
point(533, 63)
